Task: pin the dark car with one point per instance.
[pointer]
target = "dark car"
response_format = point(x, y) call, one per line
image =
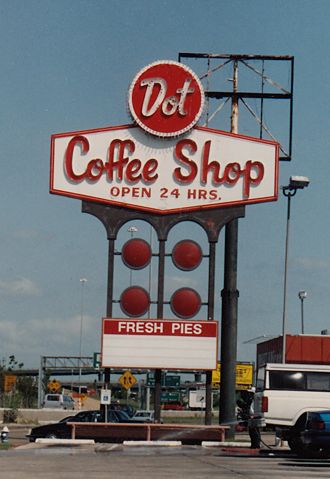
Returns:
point(62, 429)
point(315, 436)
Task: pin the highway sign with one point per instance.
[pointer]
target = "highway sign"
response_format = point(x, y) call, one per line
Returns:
point(167, 380)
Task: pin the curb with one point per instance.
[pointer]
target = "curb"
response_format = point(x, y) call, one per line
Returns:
point(153, 443)
point(225, 444)
point(66, 442)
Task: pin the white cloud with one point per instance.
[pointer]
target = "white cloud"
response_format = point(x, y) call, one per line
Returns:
point(30, 339)
point(312, 264)
point(19, 287)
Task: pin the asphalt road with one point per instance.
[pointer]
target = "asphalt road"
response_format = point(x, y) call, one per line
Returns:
point(106, 461)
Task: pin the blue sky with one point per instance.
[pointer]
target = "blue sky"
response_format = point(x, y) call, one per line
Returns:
point(67, 66)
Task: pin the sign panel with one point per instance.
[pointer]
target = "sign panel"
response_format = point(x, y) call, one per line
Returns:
point(244, 375)
point(197, 399)
point(54, 386)
point(96, 360)
point(105, 396)
point(127, 380)
point(125, 166)
point(166, 98)
point(159, 344)
point(9, 382)
point(166, 380)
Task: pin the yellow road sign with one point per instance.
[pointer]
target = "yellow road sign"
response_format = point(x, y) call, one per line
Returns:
point(9, 382)
point(127, 380)
point(244, 375)
point(54, 386)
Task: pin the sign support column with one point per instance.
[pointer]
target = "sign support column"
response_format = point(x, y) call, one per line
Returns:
point(229, 304)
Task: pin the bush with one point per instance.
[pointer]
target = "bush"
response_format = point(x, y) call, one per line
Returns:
point(10, 415)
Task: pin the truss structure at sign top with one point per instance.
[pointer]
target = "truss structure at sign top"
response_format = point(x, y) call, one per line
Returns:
point(264, 93)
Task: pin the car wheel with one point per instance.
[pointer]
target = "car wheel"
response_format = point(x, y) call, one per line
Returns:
point(294, 440)
point(296, 445)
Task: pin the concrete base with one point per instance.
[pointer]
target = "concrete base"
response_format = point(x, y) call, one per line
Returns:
point(225, 444)
point(65, 442)
point(152, 443)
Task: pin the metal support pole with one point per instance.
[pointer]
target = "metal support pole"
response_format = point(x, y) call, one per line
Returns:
point(210, 316)
point(160, 314)
point(229, 331)
point(302, 295)
point(229, 305)
point(284, 321)
point(40, 382)
point(111, 255)
point(302, 316)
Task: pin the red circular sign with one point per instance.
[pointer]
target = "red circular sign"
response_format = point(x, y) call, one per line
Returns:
point(166, 98)
point(187, 255)
point(185, 303)
point(135, 301)
point(136, 253)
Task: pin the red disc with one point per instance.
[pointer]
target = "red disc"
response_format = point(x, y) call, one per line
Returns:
point(185, 303)
point(135, 301)
point(166, 98)
point(136, 253)
point(187, 255)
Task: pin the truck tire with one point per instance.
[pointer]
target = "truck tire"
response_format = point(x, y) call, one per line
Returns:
point(294, 440)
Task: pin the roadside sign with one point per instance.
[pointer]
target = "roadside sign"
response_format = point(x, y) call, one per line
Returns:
point(96, 360)
point(54, 386)
point(159, 344)
point(244, 375)
point(197, 398)
point(127, 380)
point(166, 98)
point(204, 169)
point(105, 396)
point(9, 382)
point(166, 381)
point(167, 396)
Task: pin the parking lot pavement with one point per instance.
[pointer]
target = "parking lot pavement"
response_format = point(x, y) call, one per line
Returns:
point(111, 461)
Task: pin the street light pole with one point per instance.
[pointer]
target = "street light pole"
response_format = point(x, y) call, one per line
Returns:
point(302, 295)
point(83, 281)
point(296, 183)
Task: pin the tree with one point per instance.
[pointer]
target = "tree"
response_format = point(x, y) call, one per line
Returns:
point(24, 391)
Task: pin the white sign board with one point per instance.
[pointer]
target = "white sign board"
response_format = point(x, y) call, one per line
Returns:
point(159, 344)
point(125, 166)
point(105, 396)
point(197, 399)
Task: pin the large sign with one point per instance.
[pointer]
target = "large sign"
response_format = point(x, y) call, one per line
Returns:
point(159, 344)
point(244, 375)
point(124, 166)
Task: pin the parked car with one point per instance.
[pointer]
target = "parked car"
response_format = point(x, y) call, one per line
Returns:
point(58, 401)
point(144, 416)
point(314, 439)
point(62, 429)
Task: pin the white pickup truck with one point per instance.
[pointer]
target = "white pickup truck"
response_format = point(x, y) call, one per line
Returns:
point(285, 392)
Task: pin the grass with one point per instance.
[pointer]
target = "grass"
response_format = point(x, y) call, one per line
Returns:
point(4, 446)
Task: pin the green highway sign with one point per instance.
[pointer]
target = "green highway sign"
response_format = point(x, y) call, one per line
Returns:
point(167, 380)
